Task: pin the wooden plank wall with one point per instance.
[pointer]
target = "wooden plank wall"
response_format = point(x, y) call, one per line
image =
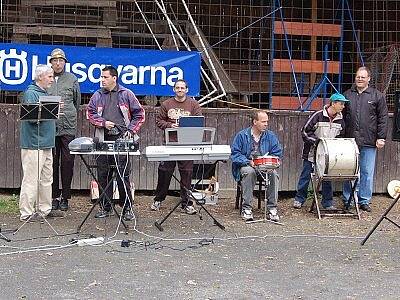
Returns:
point(227, 122)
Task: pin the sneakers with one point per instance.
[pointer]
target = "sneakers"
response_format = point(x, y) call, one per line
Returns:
point(331, 207)
point(63, 204)
point(190, 210)
point(127, 214)
point(297, 204)
point(33, 218)
point(247, 215)
point(273, 215)
point(102, 213)
point(156, 205)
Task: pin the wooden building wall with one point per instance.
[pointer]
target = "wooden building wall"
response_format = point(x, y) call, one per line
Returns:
point(227, 122)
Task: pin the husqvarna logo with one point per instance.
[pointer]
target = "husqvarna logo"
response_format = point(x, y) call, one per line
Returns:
point(13, 67)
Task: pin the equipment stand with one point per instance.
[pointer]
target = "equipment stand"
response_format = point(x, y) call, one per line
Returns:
point(3, 237)
point(384, 216)
point(198, 202)
point(316, 184)
point(40, 111)
point(264, 175)
point(102, 193)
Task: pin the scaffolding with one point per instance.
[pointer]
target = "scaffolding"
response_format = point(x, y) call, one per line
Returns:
point(234, 37)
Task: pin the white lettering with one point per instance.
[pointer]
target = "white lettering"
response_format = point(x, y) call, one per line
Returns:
point(91, 70)
point(154, 75)
point(176, 73)
point(78, 70)
point(142, 73)
point(129, 75)
point(14, 70)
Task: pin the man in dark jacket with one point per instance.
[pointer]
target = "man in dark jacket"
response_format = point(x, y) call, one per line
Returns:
point(325, 123)
point(116, 113)
point(249, 143)
point(65, 85)
point(36, 142)
point(366, 118)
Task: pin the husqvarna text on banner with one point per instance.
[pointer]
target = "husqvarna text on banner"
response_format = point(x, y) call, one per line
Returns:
point(146, 72)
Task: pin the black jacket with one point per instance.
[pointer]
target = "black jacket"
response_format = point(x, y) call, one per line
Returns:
point(366, 116)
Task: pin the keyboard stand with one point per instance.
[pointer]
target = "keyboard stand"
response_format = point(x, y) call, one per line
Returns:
point(198, 202)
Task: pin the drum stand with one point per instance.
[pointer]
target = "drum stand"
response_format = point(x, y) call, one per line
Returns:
point(316, 184)
point(264, 175)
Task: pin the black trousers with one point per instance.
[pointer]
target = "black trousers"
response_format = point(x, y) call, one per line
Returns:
point(165, 171)
point(63, 164)
point(107, 168)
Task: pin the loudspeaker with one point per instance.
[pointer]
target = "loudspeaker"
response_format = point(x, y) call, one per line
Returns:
point(396, 118)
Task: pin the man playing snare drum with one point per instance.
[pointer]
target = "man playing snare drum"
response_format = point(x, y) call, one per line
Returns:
point(248, 144)
point(325, 123)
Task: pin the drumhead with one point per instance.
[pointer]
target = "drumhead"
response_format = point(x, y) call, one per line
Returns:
point(336, 157)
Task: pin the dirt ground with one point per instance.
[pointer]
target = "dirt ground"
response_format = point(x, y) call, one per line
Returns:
point(305, 258)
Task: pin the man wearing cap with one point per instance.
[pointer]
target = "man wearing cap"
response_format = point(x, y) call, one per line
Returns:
point(325, 123)
point(366, 117)
point(65, 85)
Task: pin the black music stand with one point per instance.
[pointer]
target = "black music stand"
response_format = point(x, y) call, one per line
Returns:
point(384, 216)
point(46, 109)
point(200, 202)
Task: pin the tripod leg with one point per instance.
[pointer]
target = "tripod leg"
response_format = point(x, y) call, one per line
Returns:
point(3, 237)
point(380, 220)
point(212, 217)
point(87, 215)
point(158, 224)
point(103, 193)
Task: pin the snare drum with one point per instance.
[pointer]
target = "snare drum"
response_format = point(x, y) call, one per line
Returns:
point(267, 162)
point(336, 157)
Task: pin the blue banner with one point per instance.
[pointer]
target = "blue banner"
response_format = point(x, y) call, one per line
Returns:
point(145, 72)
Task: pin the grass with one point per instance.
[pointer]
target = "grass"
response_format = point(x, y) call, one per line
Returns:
point(8, 204)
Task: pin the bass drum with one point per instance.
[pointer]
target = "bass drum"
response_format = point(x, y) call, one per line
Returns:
point(336, 157)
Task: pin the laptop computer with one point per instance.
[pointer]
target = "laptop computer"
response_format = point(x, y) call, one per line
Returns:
point(191, 121)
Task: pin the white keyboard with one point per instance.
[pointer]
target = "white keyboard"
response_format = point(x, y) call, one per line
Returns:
point(200, 153)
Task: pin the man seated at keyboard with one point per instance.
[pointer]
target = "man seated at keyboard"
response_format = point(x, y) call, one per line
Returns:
point(116, 111)
point(168, 117)
point(248, 144)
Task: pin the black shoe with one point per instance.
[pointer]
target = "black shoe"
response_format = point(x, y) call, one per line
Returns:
point(63, 204)
point(365, 207)
point(55, 214)
point(55, 204)
point(102, 214)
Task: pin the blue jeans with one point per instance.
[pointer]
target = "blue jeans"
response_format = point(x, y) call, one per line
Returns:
point(365, 184)
point(304, 182)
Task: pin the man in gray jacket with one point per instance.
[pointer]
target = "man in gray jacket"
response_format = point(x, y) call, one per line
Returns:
point(65, 85)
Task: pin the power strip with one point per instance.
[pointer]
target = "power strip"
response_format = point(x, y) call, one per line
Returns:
point(90, 242)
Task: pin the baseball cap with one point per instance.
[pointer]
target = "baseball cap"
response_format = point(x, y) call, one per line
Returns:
point(58, 53)
point(338, 97)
